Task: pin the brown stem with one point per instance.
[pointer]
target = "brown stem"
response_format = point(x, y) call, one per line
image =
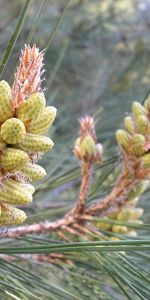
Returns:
point(86, 172)
point(116, 198)
point(111, 202)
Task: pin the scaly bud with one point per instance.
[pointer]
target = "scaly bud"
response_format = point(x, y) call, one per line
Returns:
point(13, 131)
point(44, 121)
point(97, 157)
point(33, 171)
point(12, 193)
point(138, 144)
point(142, 124)
point(123, 139)
point(99, 149)
point(5, 101)
point(12, 158)
point(31, 108)
point(36, 143)
point(87, 146)
point(129, 124)
point(76, 149)
point(138, 110)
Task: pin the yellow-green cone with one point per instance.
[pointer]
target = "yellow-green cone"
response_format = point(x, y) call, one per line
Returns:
point(124, 214)
point(11, 215)
point(13, 193)
point(12, 158)
point(142, 124)
point(13, 131)
point(119, 229)
point(5, 101)
point(138, 110)
point(36, 143)
point(103, 226)
point(129, 214)
point(33, 171)
point(2, 144)
point(44, 121)
point(31, 108)
point(87, 146)
point(129, 124)
point(138, 144)
point(123, 139)
point(4, 85)
point(27, 186)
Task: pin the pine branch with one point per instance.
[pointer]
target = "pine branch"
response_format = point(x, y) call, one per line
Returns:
point(79, 221)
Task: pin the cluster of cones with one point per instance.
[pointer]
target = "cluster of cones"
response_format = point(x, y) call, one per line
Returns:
point(134, 143)
point(21, 141)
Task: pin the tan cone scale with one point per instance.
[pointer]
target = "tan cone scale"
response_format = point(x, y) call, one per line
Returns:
point(21, 139)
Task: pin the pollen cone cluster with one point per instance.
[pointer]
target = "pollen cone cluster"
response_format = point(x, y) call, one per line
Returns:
point(134, 144)
point(135, 139)
point(127, 213)
point(21, 139)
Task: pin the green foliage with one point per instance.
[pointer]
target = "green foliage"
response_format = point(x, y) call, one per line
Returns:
point(97, 61)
